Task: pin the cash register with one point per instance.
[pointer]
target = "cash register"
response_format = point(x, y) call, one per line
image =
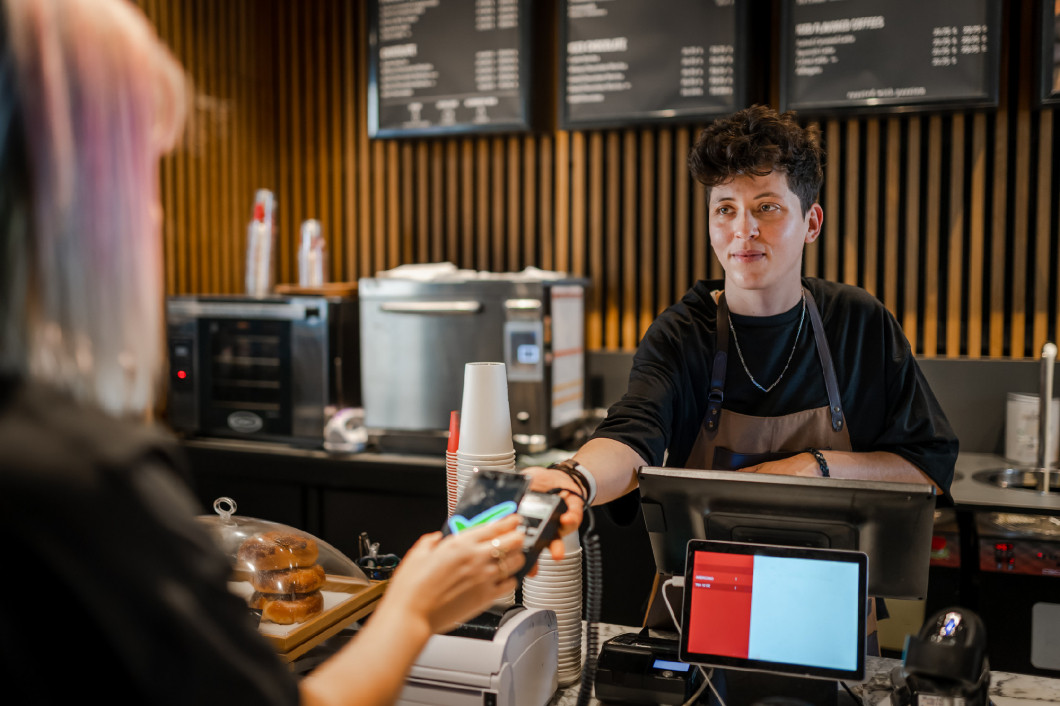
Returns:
point(506, 656)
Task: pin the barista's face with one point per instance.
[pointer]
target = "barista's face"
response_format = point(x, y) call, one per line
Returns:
point(758, 232)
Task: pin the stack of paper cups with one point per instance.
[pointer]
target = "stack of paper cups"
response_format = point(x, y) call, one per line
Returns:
point(485, 423)
point(485, 430)
point(557, 586)
point(450, 461)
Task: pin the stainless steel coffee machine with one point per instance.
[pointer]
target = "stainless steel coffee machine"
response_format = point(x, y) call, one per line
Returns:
point(416, 337)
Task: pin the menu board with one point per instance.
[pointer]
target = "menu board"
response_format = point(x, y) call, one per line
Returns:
point(448, 66)
point(1050, 52)
point(889, 54)
point(627, 61)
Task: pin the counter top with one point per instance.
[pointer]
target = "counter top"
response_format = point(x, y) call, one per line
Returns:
point(317, 465)
point(968, 491)
point(1006, 689)
point(287, 450)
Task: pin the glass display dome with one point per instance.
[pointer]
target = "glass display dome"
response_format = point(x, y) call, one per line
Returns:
point(283, 572)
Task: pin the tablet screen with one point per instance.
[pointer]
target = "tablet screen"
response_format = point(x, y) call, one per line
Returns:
point(790, 610)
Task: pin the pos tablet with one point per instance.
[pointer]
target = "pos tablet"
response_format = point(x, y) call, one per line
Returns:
point(790, 610)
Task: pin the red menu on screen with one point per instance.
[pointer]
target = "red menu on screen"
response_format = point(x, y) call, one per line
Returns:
point(720, 613)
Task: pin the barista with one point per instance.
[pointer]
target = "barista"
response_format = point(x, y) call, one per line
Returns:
point(765, 371)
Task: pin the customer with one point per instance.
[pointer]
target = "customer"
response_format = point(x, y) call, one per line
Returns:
point(113, 590)
point(766, 371)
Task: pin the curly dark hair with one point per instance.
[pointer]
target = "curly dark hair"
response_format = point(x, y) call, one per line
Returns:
point(756, 141)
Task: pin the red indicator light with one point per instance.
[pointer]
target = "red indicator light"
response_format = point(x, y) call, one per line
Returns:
point(1003, 547)
point(182, 374)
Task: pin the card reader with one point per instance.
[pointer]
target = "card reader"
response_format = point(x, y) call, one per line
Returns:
point(640, 669)
point(540, 513)
point(492, 495)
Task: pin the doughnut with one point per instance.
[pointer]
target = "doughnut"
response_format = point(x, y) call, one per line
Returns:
point(287, 609)
point(275, 550)
point(297, 580)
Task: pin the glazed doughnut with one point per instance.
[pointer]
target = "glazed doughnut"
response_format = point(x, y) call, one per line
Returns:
point(273, 551)
point(297, 580)
point(287, 609)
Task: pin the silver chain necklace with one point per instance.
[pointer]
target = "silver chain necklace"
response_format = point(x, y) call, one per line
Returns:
point(792, 355)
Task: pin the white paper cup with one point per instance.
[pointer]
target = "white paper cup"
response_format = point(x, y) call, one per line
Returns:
point(567, 586)
point(574, 596)
point(472, 467)
point(557, 605)
point(555, 574)
point(468, 457)
point(1021, 429)
point(569, 556)
point(553, 602)
point(485, 417)
point(566, 561)
point(562, 612)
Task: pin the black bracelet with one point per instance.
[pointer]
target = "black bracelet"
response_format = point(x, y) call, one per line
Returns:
point(821, 463)
point(570, 467)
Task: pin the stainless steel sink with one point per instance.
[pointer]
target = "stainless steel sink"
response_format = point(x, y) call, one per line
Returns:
point(1033, 479)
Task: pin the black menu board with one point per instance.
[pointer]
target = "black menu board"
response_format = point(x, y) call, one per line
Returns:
point(448, 66)
point(629, 61)
point(889, 54)
point(1049, 69)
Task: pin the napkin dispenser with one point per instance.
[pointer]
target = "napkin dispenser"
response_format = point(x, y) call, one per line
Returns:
point(507, 656)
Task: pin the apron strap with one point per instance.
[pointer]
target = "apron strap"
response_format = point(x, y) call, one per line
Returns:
point(721, 361)
point(825, 354)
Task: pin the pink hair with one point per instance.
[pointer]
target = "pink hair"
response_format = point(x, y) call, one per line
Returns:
point(100, 100)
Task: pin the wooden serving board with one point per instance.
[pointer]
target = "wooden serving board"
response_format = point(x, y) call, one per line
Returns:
point(346, 600)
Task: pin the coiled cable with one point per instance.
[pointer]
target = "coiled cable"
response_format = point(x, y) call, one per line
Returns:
point(594, 575)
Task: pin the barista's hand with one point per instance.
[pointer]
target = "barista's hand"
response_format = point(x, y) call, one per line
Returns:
point(803, 464)
point(544, 480)
point(449, 580)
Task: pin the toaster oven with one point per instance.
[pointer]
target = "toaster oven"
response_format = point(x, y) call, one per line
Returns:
point(270, 369)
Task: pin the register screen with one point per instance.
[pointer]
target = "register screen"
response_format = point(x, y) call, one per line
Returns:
point(754, 608)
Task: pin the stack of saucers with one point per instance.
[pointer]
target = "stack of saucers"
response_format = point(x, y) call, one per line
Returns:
point(557, 586)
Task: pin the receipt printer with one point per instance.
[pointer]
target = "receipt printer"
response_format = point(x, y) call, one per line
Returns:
point(641, 669)
point(507, 656)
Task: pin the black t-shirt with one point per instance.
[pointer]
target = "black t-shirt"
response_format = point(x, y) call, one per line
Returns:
point(114, 590)
point(886, 400)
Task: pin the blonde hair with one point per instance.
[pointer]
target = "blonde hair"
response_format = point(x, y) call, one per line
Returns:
point(98, 99)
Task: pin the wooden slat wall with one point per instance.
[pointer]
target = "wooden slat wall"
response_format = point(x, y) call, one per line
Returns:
point(949, 218)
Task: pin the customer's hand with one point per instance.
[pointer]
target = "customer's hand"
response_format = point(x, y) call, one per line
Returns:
point(544, 480)
point(451, 579)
